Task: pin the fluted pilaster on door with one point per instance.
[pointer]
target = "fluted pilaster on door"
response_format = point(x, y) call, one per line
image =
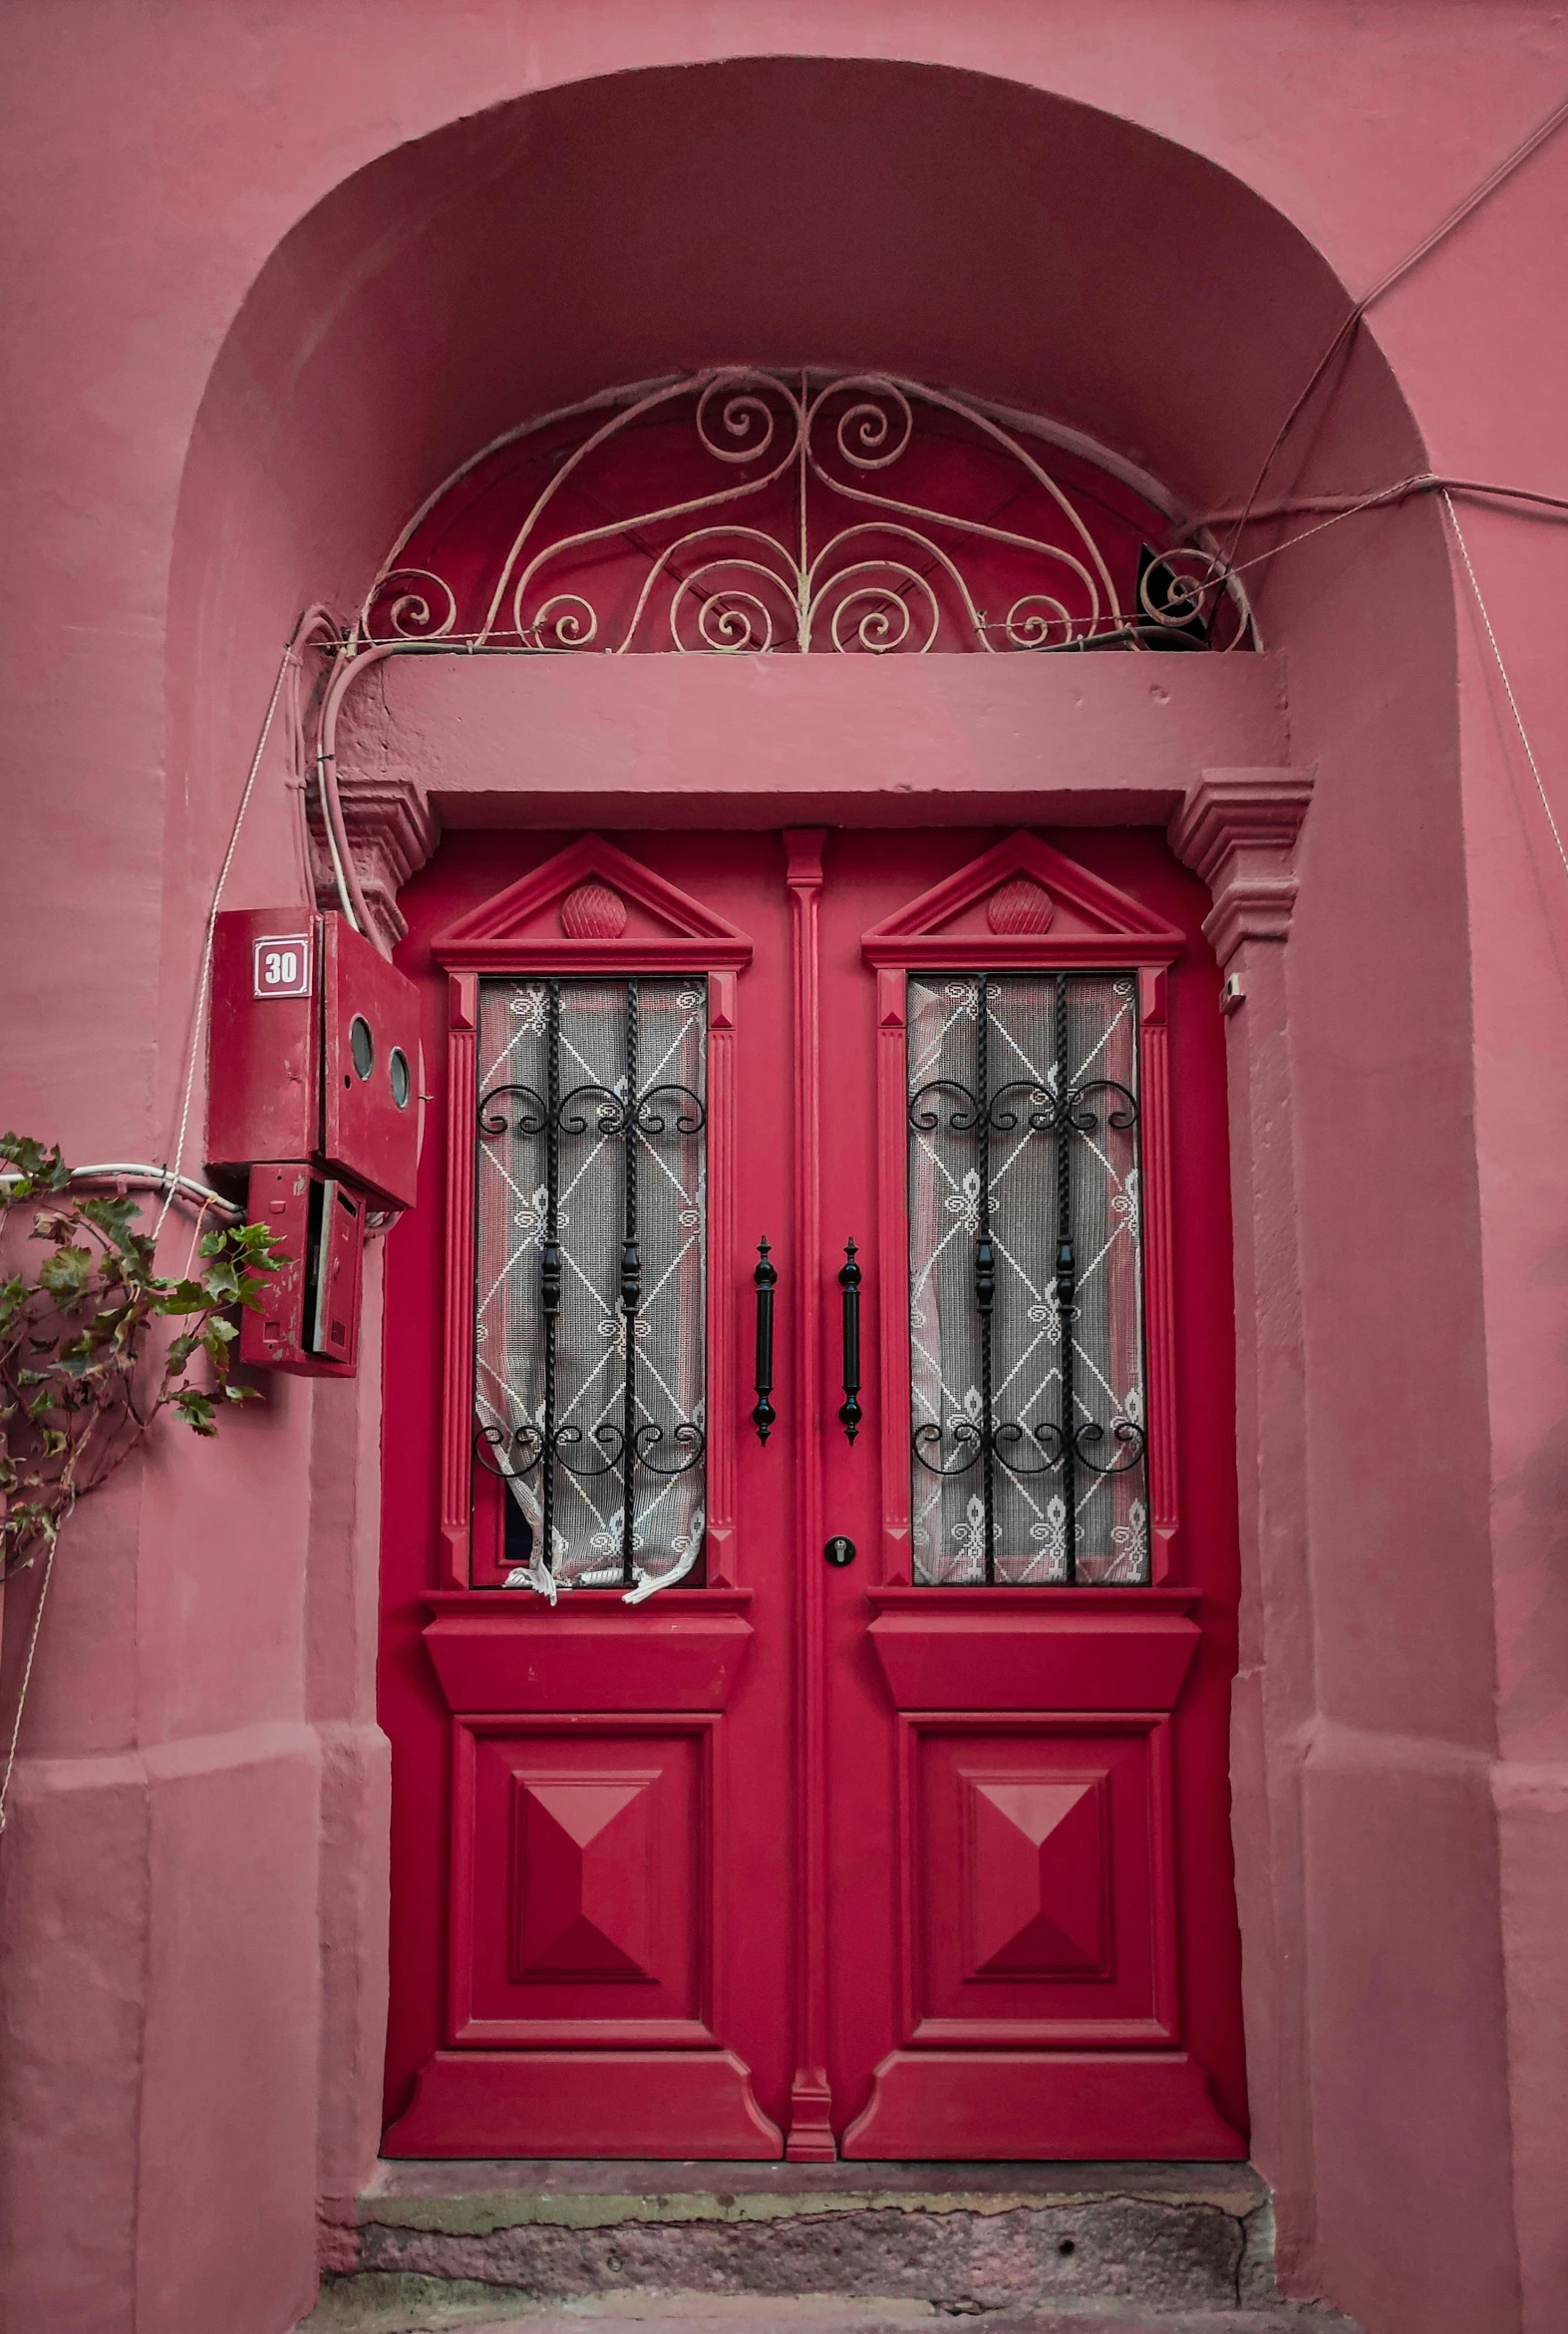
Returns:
point(1237, 829)
point(810, 2136)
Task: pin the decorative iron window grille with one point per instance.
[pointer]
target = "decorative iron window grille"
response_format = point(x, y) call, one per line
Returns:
point(740, 510)
point(1026, 1280)
point(590, 1271)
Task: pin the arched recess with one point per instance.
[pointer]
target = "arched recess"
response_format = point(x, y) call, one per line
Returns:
point(955, 228)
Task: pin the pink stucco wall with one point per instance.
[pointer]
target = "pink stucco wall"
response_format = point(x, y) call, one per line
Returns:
point(270, 274)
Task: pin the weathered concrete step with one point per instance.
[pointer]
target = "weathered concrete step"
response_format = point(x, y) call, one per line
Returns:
point(937, 2239)
point(395, 2305)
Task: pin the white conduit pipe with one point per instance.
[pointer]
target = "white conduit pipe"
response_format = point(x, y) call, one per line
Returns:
point(350, 892)
point(143, 1178)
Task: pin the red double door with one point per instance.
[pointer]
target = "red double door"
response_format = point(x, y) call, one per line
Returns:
point(807, 1671)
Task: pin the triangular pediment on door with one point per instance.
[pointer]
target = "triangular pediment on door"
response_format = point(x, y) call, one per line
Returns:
point(1021, 905)
point(591, 909)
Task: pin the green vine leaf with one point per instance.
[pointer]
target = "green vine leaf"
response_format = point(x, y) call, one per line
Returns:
point(65, 1273)
point(81, 1373)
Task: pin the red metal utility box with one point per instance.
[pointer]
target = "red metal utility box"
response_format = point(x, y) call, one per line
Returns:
point(308, 1319)
point(313, 1052)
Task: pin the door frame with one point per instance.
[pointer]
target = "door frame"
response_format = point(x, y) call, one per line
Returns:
point(1237, 829)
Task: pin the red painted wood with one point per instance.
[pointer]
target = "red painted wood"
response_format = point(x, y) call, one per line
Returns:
point(1064, 1822)
point(457, 1295)
point(1033, 1648)
point(581, 1909)
point(1070, 2106)
point(523, 929)
point(892, 1250)
point(551, 2103)
point(1131, 1685)
point(943, 1873)
point(949, 926)
point(685, 1653)
point(810, 2130)
point(728, 1400)
point(1159, 1323)
point(494, 1700)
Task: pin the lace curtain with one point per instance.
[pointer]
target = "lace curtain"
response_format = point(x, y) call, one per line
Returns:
point(1025, 1279)
point(590, 1266)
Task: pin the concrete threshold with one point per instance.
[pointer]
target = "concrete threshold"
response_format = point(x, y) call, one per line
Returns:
point(819, 2246)
point(476, 2196)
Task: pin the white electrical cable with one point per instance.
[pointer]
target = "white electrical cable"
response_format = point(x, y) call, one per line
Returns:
point(146, 1178)
point(1513, 702)
point(204, 979)
point(350, 891)
point(310, 621)
point(1445, 226)
point(27, 1674)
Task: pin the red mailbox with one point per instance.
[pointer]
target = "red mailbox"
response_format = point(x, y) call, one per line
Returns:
point(313, 1052)
point(308, 1319)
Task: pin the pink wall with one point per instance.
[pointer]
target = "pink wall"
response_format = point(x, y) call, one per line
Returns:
point(270, 287)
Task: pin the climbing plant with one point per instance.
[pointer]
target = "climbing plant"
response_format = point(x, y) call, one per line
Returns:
point(82, 1372)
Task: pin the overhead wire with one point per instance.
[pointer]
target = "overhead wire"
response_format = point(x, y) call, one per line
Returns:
point(1445, 226)
point(310, 620)
point(345, 876)
point(1502, 669)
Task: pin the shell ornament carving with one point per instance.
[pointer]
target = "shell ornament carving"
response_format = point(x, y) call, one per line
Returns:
point(1023, 905)
point(593, 912)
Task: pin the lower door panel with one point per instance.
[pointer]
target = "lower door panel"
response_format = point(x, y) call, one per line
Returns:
point(589, 1932)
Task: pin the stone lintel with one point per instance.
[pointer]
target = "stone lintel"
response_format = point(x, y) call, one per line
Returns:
point(426, 742)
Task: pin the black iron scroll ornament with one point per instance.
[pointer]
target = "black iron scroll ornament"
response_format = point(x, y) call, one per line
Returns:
point(636, 1117)
point(850, 1414)
point(765, 1280)
point(1067, 1442)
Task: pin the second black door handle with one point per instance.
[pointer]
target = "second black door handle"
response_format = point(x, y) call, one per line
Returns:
point(849, 1412)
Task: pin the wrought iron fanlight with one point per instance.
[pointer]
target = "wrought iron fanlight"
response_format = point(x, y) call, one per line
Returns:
point(749, 510)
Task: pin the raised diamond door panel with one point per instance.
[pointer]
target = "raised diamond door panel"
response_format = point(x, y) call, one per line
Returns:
point(582, 1864)
point(1040, 1882)
point(1038, 1875)
point(580, 1901)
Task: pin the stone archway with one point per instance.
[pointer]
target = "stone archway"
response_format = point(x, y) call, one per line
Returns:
point(493, 269)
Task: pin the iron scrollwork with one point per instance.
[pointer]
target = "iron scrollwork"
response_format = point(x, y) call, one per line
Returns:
point(635, 1116)
point(1072, 1442)
point(813, 522)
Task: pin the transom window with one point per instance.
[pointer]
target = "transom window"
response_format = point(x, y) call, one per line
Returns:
point(743, 511)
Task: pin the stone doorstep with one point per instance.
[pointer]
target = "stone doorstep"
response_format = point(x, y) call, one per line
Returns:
point(475, 2196)
point(397, 2305)
point(934, 2239)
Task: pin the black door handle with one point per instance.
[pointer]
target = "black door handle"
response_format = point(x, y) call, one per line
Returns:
point(765, 1280)
point(849, 1412)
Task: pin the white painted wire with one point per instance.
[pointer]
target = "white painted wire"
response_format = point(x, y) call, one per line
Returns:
point(1513, 702)
point(172, 1171)
point(204, 979)
point(27, 1675)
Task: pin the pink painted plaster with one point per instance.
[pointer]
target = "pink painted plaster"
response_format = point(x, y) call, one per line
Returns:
point(267, 282)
